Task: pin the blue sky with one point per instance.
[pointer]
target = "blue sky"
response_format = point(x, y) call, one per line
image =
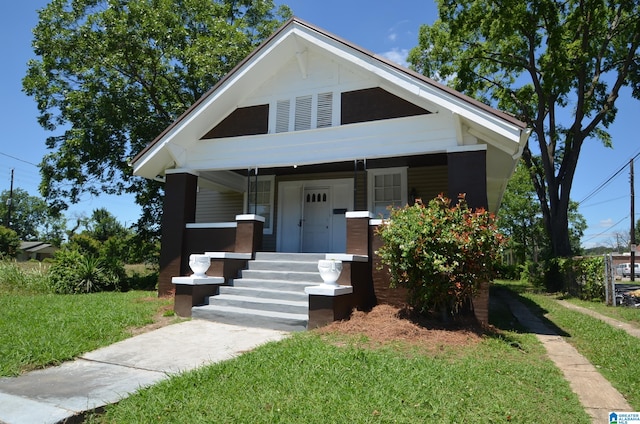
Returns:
point(386, 28)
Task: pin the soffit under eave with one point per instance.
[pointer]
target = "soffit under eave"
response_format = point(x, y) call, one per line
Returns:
point(153, 166)
point(500, 167)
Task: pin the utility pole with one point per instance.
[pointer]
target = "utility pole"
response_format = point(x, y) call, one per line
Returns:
point(10, 202)
point(633, 226)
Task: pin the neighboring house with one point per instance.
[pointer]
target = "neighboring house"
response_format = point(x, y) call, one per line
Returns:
point(35, 250)
point(310, 128)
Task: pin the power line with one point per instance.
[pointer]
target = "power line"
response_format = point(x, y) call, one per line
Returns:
point(21, 160)
point(608, 180)
point(604, 232)
point(604, 201)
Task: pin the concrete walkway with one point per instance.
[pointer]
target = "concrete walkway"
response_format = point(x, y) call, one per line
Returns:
point(596, 394)
point(107, 375)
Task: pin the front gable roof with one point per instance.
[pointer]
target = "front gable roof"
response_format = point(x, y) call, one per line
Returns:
point(299, 57)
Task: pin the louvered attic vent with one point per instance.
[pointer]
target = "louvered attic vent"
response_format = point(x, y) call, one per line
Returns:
point(309, 112)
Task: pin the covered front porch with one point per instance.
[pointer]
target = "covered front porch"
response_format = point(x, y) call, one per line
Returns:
point(347, 230)
point(304, 207)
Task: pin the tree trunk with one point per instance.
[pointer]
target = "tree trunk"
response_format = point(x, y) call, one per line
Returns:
point(559, 231)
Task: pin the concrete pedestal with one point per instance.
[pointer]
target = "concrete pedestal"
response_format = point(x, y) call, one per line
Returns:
point(328, 304)
point(191, 291)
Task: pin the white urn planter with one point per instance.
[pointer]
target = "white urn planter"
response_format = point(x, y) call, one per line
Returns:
point(199, 264)
point(330, 271)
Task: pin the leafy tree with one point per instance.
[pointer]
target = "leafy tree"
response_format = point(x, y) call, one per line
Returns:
point(520, 218)
point(440, 253)
point(103, 225)
point(558, 66)
point(31, 218)
point(9, 242)
point(112, 74)
point(85, 244)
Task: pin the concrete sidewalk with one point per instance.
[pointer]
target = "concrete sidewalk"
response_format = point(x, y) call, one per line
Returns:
point(107, 375)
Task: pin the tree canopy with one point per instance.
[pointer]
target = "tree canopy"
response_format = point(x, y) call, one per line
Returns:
point(520, 219)
point(112, 74)
point(558, 66)
point(31, 217)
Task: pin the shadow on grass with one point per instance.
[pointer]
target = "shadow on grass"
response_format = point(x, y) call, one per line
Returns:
point(503, 318)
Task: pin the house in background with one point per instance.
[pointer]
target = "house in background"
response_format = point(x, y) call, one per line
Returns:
point(307, 142)
point(37, 250)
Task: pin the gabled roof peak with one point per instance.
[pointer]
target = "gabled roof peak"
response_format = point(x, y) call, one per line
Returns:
point(266, 60)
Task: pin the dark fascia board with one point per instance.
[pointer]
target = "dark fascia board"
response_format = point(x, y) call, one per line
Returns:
point(295, 20)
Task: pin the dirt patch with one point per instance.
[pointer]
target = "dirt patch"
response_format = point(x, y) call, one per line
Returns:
point(161, 319)
point(386, 324)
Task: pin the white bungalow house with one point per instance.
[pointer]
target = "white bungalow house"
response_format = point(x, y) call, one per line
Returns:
point(308, 132)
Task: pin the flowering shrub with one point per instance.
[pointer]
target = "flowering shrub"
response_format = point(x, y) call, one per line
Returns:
point(440, 253)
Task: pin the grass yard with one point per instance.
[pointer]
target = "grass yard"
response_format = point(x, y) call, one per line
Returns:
point(337, 375)
point(37, 330)
point(357, 371)
point(312, 378)
point(630, 315)
point(612, 351)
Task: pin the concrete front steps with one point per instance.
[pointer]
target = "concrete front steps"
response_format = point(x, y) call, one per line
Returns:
point(269, 294)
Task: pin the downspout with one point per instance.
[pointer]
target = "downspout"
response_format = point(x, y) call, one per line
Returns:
point(255, 193)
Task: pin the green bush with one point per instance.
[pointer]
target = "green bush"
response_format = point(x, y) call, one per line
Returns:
point(533, 273)
point(590, 278)
point(579, 277)
point(75, 272)
point(507, 272)
point(9, 242)
point(85, 244)
point(440, 253)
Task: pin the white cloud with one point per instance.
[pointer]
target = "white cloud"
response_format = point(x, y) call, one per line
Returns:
point(397, 55)
point(605, 223)
point(392, 37)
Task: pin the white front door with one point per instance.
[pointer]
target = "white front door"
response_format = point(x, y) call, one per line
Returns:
point(311, 215)
point(316, 231)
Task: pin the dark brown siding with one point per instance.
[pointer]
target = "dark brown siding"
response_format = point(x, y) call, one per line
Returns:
point(374, 104)
point(251, 120)
point(468, 175)
point(428, 181)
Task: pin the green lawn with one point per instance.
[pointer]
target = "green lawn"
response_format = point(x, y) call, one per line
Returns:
point(44, 329)
point(612, 351)
point(334, 378)
point(311, 378)
point(630, 315)
point(326, 378)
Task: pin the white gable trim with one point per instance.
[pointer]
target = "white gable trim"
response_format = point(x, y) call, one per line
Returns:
point(467, 121)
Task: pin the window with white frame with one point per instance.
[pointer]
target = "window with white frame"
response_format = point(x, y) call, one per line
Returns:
point(387, 187)
point(261, 193)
